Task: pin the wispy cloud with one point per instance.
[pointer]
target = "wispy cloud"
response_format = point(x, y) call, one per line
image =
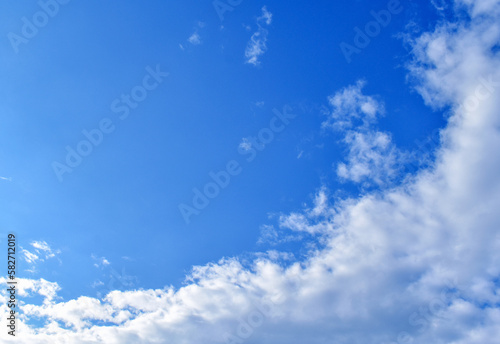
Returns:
point(257, 45)
point(100, 261)
point(40, 252)
point(440, 5)
point(195, 38)
point(30, 257)
point(43, 247)
point(245, 144)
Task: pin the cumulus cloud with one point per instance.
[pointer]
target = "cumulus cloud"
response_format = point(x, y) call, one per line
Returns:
point(351, 108)
point(419, 262)
point(257, 45)
point(372, 158)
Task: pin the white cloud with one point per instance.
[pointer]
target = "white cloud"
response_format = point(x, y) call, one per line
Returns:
point(30, 257)
point(100, 261)
point(266, 16)
point(420, 261)
point(245, 144)
point(351, 108)
point(195, 38)
point(43, 248)
point(257, 45)
point(372, 157)
point(41, 252)
point(480, 7)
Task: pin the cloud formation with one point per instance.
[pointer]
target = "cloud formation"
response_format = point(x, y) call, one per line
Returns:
point(419, 261)
point(195, 38)
point(100, 261)
point(372, 158)
point(257, 45)
point(40, 252)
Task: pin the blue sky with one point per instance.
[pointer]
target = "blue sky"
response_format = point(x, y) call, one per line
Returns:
point(361, 138)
